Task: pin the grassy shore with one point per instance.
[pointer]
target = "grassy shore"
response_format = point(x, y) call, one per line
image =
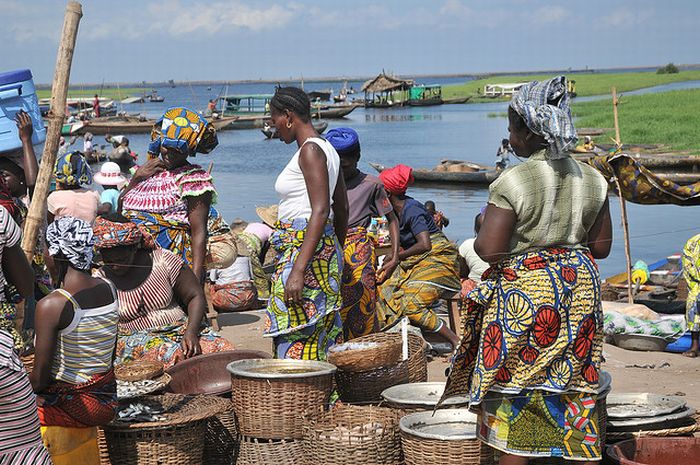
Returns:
point(669, 118)
point(586, 84)
point(111, 93)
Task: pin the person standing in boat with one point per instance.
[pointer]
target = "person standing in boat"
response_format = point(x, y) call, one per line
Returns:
point(367, 199)
point(503, 155)
point(96, 106)
point(531, 352)
point(303, 313)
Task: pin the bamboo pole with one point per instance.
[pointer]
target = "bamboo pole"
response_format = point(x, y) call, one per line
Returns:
point(623, 206)
point(59, 92)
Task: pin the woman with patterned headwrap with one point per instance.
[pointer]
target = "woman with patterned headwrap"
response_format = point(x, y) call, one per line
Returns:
point(76, 334)
point(70, 198)
point(428, 262)
point(171, 197)
point(303, 315)
point(530, 357)
point(161, 304)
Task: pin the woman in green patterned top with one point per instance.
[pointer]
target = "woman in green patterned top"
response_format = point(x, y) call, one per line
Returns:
point(531, 352)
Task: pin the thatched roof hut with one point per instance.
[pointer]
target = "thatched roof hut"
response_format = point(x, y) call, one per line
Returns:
point(386, 83)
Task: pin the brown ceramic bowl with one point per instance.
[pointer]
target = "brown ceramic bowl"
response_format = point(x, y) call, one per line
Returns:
point(207, 374)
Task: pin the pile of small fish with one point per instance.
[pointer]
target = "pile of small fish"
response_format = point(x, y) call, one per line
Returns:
point(127, 390)
point(357, 434)
point(141, 413)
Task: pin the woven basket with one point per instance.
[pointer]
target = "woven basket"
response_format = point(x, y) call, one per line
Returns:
point(221, 438)
point(422, 451)
point(383, 354)
point(272, 408)
point(369, 436)
point(177, 440)
point(270, 452)
point(138, 370)
point(102, 447)
point(367, 386)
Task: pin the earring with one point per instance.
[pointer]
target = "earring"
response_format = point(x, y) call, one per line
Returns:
point(289, 124)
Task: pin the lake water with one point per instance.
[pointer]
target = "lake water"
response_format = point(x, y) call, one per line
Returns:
point(246, 164)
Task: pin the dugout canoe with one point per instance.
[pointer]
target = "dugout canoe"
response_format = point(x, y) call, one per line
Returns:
point(480, 177)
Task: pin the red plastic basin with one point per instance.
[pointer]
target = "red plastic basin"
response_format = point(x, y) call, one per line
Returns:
point(207, 374)
point(657, 451)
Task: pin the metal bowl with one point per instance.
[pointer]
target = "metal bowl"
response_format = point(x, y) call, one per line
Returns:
point(280, 369)
point(671, 420)
point(206, 374)
point(443, 425)
point(640, 342)
point(420, 395)
point(640, 405)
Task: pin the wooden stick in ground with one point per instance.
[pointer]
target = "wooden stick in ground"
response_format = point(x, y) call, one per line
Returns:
point(59, 92)
point(623, 206)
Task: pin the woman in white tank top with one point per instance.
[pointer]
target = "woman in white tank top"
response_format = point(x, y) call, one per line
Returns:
point(303, 310)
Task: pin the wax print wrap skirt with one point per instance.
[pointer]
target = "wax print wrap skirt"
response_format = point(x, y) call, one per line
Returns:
point(529, 359)
point(306, 330)
point(691, 273)
point(359, 290)
point(417, 284)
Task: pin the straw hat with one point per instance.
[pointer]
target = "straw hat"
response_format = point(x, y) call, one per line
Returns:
point(268, 214)
point(109, 175)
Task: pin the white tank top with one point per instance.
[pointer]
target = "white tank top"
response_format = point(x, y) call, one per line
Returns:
point(291, 187)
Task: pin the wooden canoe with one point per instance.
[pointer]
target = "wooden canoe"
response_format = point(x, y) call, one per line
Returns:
point(481, 177)
point(456, 100)
point(134, 125)
point(333, 111)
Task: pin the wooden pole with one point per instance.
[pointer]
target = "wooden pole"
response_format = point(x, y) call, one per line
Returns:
point(623, 206)
point(59, 92)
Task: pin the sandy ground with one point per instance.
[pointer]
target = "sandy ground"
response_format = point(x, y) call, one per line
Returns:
point(657, 372)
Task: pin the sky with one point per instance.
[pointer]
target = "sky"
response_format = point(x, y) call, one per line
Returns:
point(135, 40)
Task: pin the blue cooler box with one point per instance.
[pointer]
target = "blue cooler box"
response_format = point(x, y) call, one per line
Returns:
point(17, 93)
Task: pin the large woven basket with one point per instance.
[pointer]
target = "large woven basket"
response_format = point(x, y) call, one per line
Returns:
point(352, 435)
point(432, 448)
point(362, 354)
point(221, 438)
point(367, 386)
point(270, 405)
point(177, 440)
point(271, 452)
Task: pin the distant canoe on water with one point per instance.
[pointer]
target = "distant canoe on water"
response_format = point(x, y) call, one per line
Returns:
point(135, 125)
point(482, 175)
point(456, 100)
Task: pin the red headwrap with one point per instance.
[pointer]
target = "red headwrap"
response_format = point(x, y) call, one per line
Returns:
point(397, 179)
point(7, 201)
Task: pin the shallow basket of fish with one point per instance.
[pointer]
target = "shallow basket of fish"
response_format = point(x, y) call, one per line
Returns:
point(269, 396)
point(254, 451)
point(361, 355)
point(447, 437)
point(352, 435)
point(167, 430)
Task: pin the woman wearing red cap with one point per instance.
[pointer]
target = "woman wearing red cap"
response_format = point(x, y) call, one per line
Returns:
point(428, 262)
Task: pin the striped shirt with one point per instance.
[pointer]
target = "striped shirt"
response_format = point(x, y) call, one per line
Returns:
point(86, 346)
point(20, 434)
point(152, 304)
point(10, 235)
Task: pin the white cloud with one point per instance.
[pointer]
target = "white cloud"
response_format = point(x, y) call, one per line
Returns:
point(550, 14)
point(455, 9)
point(627, 17)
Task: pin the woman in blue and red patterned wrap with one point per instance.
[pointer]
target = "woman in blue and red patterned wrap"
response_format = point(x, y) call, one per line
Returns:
point(530, 356)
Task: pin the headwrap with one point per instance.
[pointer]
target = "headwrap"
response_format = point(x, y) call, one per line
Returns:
point(344, 140)
point(72, 169)
point(109, 234)
point(553, 122)
point(397, 179)
point(184, 130)
point(72, 237)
